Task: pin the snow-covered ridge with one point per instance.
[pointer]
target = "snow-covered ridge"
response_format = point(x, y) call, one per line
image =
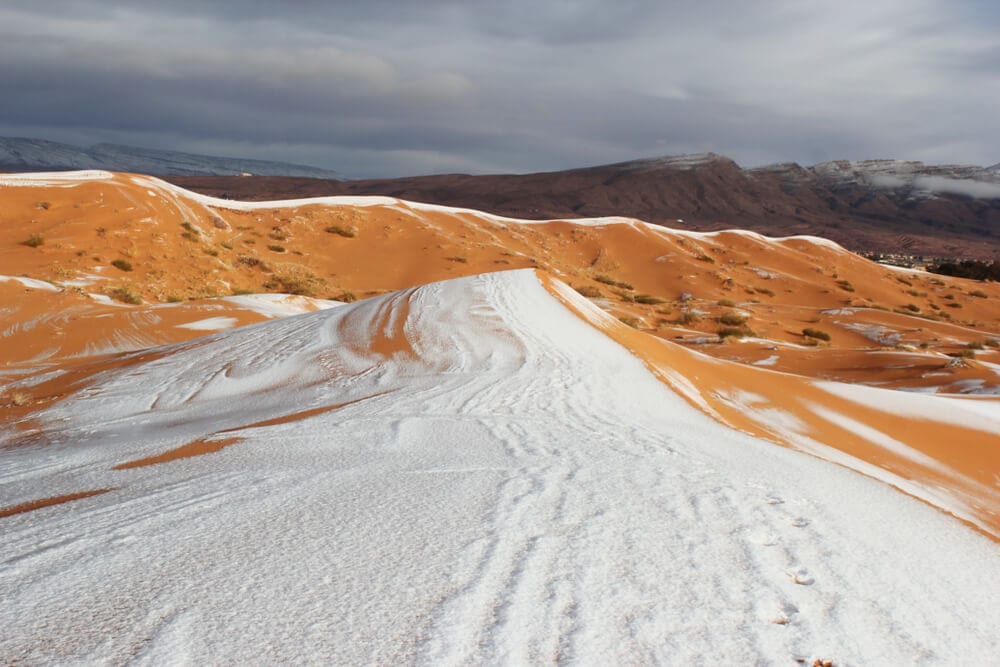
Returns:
point(921, 180)
point(681, 162)
point(461, 473)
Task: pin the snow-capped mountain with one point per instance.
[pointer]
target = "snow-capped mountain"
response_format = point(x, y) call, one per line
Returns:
point(22, 154)
point(915, 179)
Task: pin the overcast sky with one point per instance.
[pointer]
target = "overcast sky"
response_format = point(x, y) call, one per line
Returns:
point(399, 87)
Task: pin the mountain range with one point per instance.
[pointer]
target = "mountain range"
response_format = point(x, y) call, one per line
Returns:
point(21, 154)
point(879, 206)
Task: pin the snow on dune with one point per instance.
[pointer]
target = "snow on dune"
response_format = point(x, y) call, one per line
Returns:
point(54, 178)
point(460, 473)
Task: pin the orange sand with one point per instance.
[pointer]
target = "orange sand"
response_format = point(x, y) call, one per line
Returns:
point(48, 502)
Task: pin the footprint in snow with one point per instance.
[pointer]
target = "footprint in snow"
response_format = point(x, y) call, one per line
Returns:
point(800, 576)
point(785, 615)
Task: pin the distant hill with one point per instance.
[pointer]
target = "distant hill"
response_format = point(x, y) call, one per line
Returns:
point(884, 206)
point(21, 154)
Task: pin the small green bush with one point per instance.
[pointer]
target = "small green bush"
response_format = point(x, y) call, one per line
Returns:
point(732, 319)
point(630, 321)
point(122, 264)
point(815, 333)
point(346, 297)
point(647, 299)
point(727, 303)
point(979, 294)
point(346, 232)
point(34, 241)
point(589, 291)
point(735, 332)
point(845, 285)
point(614, 283)
point(125, 295)
point(276, 248)
point(687, 317)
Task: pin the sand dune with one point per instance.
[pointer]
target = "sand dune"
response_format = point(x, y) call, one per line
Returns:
point(472, 463)
point(178, 245)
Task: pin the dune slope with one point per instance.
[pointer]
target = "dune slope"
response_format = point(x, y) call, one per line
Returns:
point(462, 472)
point(136, 238)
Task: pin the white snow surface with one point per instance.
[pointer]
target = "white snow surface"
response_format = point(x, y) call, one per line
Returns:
point(39, 179)
point(211, 324)
point(517, 490)
point(31, 283)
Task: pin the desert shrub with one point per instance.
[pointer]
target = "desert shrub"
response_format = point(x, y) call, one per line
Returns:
point(702, 257)
point(122, 264)
point(623, 295)
point(687, 317)
point(630, 321)
point(732, 319)
point(293, 279)
point(34, 241)
point(614, 283)
point(458, 258)
point(975, 345)
point(44, 205)
point(904, 281)
point(818, 334)
point(845, 285)
point(589, 291)
point(346, 297)
point(174, 298)
point(125, 295)
point(647, 299)
point(979, 294)
point(764, 290)
point(346, 232)
point(250, 260)
point(913, 308)
point(734, 332)
point(276, 248)
point(917, 293)
point(728, 303)
point(227, 245)
point(212, 252)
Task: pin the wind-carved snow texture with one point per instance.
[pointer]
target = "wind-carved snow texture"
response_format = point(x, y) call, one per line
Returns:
point(502, 484)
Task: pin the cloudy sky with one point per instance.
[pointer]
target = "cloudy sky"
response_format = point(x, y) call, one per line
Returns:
point(398, 87)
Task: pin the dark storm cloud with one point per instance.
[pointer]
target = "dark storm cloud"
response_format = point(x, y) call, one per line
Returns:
point(388, 87)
